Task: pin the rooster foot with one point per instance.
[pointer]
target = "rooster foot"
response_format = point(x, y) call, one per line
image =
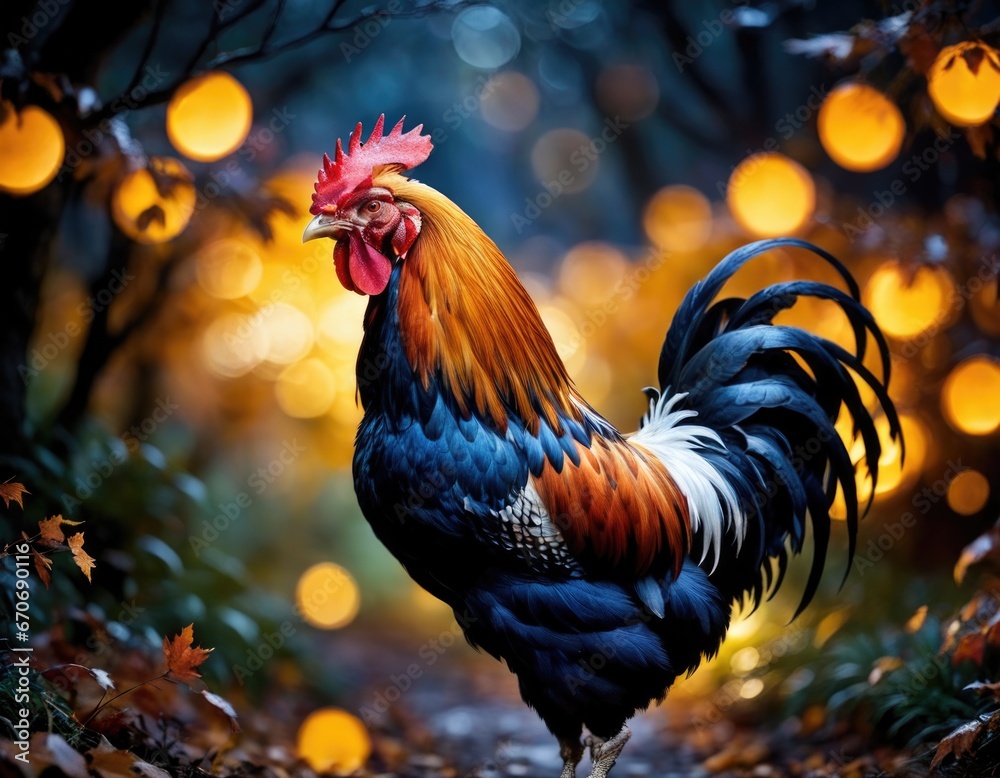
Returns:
point(604, 753)
point(572, 752)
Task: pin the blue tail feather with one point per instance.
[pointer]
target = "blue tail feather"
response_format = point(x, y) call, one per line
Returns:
point(737, 369)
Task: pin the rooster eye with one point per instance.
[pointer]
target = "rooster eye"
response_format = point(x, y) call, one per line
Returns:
point(373, 206)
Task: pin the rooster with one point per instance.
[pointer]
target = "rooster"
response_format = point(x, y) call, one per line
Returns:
point(598, 565)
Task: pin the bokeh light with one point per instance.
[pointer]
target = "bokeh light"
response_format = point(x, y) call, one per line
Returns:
point(565, 161)
point(568, 339)
point(511, 102)
point(968, 492)
point(961, 96)
point(154, 204)
point(770, 195)
point(306, 389)
point(209, 117)
point(327, 596)
point(31, 149)
point(678, 218)
point(485, 37)
point(290, 333)
point(628, 91)
point(233, 345)
point(860, 128)
point(907, 304)
point(332, 740)
point(590, 271)
point(970, 395)
point(228, 268)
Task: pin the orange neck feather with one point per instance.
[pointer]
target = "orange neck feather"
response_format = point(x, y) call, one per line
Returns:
point(464, 312)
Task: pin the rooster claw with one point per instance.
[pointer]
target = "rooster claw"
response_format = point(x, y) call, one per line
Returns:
point(604, 753)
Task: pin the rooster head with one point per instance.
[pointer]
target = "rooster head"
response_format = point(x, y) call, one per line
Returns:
point(371, 228)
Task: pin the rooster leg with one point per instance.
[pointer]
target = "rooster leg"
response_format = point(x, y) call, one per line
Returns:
point(604, 753)
point(572, 752)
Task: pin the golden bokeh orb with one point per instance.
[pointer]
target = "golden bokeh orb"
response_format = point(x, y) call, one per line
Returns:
point(970, 395)
point(154, 204)
point(678, 218)
point(591, 272)
point(228, 268)
point(31, 149)
point(907, 305)
point(209, 117)
point(964, 83)
point(327, 596)
point(968, 492)
point(860, 128)
point(332, 740)
point(306, 389)
point(770, 194)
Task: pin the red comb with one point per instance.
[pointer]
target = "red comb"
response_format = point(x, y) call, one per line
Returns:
point(346, 172)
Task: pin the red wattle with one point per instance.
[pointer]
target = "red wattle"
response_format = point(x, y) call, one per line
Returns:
point(369, 269)
point(341, 261)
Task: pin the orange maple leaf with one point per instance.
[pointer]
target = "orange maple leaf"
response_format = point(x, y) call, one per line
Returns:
point(182, 658)
point(50, 529)
point(12, 491)
point(42, 565)
point(83, 560)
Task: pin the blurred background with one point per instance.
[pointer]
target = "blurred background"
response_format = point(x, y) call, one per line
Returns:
point(179, 369)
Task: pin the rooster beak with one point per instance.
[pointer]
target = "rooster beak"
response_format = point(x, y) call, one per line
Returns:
point(326, 226)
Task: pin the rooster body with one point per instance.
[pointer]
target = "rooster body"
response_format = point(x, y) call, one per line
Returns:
point(598, 566)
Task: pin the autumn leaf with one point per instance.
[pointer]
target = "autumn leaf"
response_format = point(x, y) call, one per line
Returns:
point(971, 648)
point(982, 687)
point(984, 546)
point(224, 705)
point(11, 491)
point(42, 566)
point(962, 740)
point(83, 560)
point(916, 621)
point(50, 529)
point(110, 762)
point(181, 658)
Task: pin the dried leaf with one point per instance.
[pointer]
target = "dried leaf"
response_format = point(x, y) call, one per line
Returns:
point(836, 46)
point(882, 666)
point(970, 648)
point(979, 138)
point(993, 689)
point(223, 705)
point(51, 531)
point(42, 566)
point(152, 214)
point(916, 621)
point(83, 560)
point(181, 658)
point(11, 491)
point(110, 762)
point(49, 750)
point(962, 740)
point(985, 545)
point(102, 677)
